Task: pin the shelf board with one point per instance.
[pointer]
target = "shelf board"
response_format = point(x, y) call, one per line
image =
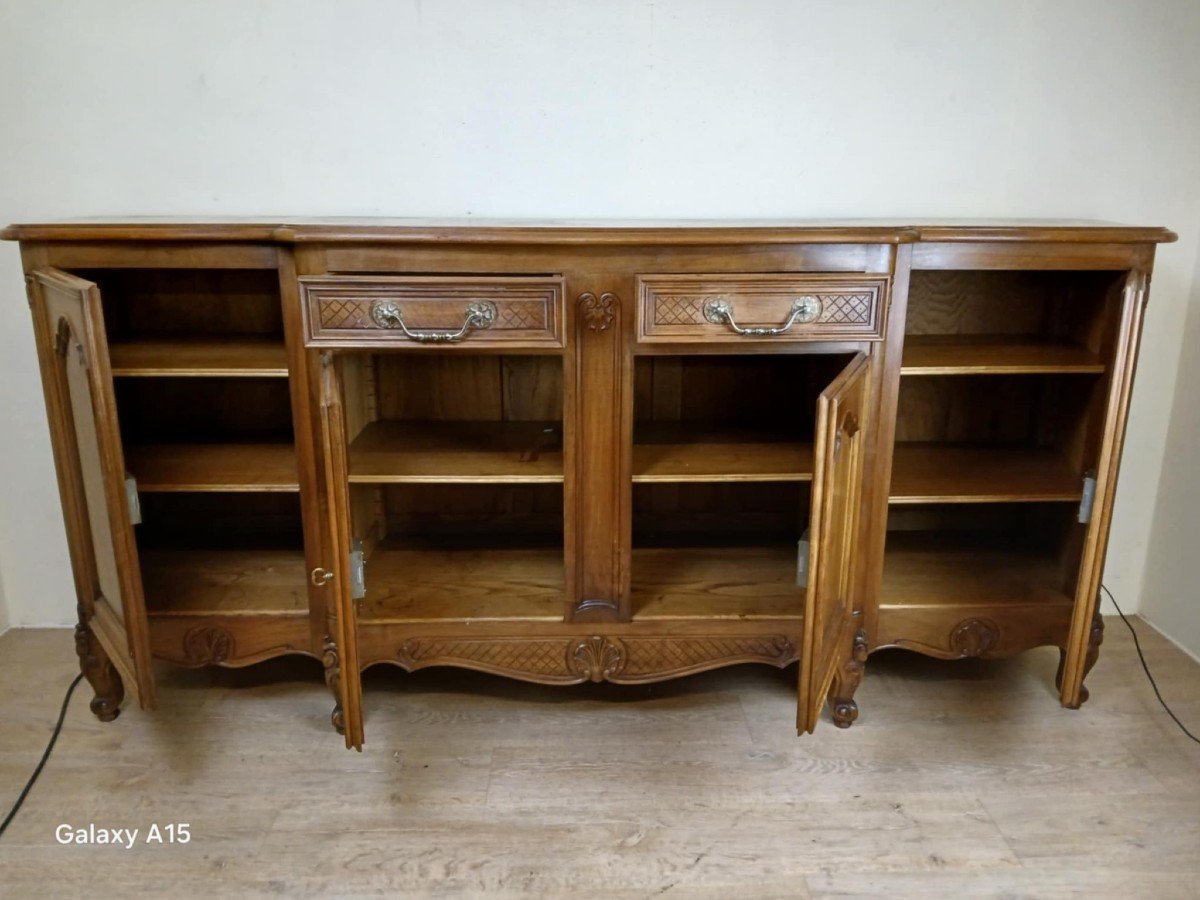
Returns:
point(954, 473)
point(214, 467)
point(716, 583)
point(225, 582)
point(970, 354)
point(463, 585)
point(236, 357)
point(939, 568)
point(457, 453)
point(674, 452)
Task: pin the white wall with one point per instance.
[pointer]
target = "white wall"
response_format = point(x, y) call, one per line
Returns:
point(1171, 589)
point(592, 108)
point(3, 603)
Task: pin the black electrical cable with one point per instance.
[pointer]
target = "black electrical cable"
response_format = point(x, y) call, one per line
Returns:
point(1137, 646)
point(62, 714)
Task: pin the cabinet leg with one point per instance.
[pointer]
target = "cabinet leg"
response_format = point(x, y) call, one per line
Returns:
point(333, 678)
point(846, 682)
point(99, 672)
point(1095, 639)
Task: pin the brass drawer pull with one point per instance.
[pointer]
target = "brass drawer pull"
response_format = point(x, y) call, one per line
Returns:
point(804, 309)
point(480, 315)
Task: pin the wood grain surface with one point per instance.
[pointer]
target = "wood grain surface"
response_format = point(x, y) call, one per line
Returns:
point(959, 779)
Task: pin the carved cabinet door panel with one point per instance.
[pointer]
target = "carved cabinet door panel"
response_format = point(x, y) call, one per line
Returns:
point(341, 635)
point(1087, 627)
point(829, 613)
point(72, 349)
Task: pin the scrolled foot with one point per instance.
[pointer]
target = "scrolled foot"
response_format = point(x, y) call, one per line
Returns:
point(333, 678)
point(1095, 639)
point(100, 674)
point(844, 713)
point(104, 708)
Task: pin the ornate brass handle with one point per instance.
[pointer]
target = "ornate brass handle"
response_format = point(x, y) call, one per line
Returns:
point(321, 577)
point(719, 311)
point(480, 315)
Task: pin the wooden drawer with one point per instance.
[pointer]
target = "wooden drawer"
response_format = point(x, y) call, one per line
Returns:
point(675, 309)
point(418, 312)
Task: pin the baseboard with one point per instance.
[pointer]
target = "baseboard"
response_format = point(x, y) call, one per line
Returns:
point(1185, 650)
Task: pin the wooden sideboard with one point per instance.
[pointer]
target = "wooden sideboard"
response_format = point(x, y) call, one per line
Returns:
point(583, 452)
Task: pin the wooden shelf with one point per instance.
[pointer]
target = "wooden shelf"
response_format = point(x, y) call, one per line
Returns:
point(928, 354)
point(457, 453)
point(214, 467)
point(239, 357)
point(936, 569)
point(225, 582)
point(674, 453)
point(716, 583)
point(952, 473)
point(405, 585)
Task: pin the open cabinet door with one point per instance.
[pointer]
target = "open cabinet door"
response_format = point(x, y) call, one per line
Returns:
point(829, 615)
point(73, 352)
point(341, 614)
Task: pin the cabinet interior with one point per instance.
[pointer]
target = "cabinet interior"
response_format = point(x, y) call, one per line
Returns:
point(203, 405)
point(722, 472)
point(1000, 417)
point(456, 484)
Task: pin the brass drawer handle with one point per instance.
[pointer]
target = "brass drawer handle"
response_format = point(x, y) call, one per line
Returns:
point(321, 577)
point(480, 315)
point(804, 309)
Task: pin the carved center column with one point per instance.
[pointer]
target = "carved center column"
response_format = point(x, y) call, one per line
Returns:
point(599, 407)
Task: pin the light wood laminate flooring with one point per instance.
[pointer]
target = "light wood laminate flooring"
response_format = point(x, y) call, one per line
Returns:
point(959, 779)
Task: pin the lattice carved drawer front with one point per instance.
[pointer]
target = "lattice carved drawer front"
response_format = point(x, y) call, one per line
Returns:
point(744, 309)
point(428, 312)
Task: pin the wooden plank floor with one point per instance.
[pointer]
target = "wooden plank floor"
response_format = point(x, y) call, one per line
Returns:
point(960, 779)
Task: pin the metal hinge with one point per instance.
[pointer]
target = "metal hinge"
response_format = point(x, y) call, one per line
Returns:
point(358, 571)
point(132, 501)
point(802, 551)
point(1089, 497)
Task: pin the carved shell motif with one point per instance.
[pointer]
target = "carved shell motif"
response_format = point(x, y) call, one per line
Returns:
point(596, 658)
point(974, 637)
point(206, 645)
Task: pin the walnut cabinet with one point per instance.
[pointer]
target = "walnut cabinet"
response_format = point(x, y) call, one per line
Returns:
point(584, 452)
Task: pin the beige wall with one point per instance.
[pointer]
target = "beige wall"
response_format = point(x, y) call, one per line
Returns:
point(703, 108)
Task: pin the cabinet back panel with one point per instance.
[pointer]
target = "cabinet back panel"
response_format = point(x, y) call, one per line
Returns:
point(491, 514)
point(207, 410)
point(1049, 529)
point(718, 514)
point(189, 301)
point(1057, 304)
point(1005, 409)
point(775, 393)
point(456, 386)
point(220, 521)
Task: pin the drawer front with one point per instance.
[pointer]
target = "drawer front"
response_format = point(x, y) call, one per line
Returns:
point(724, 309)
point(432, 312)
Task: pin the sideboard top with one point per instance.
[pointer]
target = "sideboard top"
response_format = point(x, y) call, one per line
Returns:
point(550, 231)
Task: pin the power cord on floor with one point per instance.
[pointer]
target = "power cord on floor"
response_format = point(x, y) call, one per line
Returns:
point(62, 715)
point(1137, 646)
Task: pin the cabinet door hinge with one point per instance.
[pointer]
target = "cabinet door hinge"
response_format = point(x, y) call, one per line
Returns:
point(132, 501)
point(358, 571)
point(1088, 499)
